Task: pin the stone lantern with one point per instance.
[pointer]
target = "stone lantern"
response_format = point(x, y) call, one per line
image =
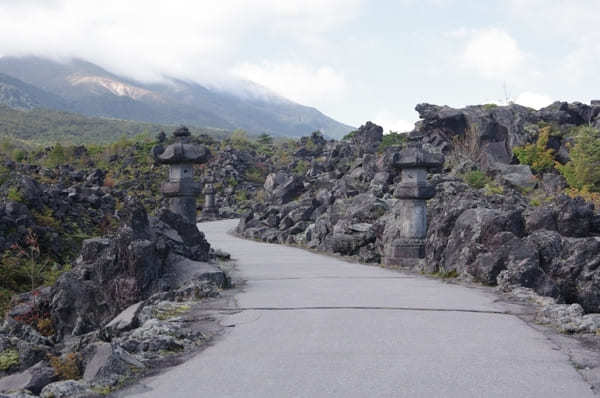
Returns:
point(210, 205)
point(181, 189)
point(406, 235)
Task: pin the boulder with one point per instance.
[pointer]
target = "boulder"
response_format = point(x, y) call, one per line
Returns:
point(107, 362)
point(367, 138)
point(283, 187)
point(69, 389)
point(32, 379)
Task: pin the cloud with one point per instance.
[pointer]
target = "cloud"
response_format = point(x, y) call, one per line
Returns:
point(388, 121)
point(492, 53)
point(146, 39)
point(298, 82)
point(533, 100)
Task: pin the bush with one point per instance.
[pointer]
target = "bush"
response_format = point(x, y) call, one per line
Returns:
point(15, 195)
point(8, 358)
point(66, 367)
point(537, 155)
point(582, 172)
point(392, 139)
point(476, 179)
point(56, 156)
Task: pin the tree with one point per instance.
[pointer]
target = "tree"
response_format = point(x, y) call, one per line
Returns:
point(265, 139)
point(582, 172)
point(537, 155)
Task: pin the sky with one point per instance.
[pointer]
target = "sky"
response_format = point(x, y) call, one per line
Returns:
point(354, 60)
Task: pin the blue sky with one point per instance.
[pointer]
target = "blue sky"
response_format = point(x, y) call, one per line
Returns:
point(354, 60)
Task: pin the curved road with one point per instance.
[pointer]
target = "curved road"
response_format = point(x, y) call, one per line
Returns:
point(315, 326)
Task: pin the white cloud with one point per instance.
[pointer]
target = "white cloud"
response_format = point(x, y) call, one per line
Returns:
point(298, 82)
point(533, 100)
point(492, 53)
point(147, 39)
point(388, 121)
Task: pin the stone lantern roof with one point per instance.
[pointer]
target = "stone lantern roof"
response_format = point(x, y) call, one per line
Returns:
point(180, 151)
point(415, 157)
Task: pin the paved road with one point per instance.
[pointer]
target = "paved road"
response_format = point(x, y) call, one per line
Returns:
point(315, 326)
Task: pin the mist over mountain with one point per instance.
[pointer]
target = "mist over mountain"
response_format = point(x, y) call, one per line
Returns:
point(82, 87)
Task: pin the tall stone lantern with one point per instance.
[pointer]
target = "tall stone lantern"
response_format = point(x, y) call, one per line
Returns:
point(181, 189)
point(406, 235)
point(210, 204)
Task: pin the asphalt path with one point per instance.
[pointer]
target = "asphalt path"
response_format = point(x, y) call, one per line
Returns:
point(310, 325)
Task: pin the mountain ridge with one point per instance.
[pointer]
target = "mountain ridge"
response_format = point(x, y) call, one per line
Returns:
point(82, 87)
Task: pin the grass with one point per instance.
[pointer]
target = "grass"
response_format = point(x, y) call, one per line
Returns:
point(445, 274)
point(8, 358)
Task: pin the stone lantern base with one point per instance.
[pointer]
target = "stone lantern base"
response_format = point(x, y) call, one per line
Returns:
point(405, 253)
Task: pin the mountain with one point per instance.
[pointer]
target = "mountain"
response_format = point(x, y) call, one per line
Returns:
point(82, 87)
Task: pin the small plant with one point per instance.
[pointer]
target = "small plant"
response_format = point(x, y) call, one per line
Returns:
point(45, 327)
point(8, 358)
point(492, 188)
point(66, 367)
point(15, 195)
point(349, 136)
point(109, 182)
point(446, 274)
point(392, 139)
point(241, 196)
point(476, 179)
point(537, 155)
point(591, 197)
point(31, 255)
point(301, 167)
point(254, 174)
point(582, 172)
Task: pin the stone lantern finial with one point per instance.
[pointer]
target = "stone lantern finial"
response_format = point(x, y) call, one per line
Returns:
point(181, 189)
point(410, 227)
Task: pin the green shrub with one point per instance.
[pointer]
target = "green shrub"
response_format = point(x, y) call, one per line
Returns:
point(15, 195)
point(492, 188)
point(19, 155)
point(8, 358)
point(476, 179)
point(392, 139)
point(56, 156)
point(582, 172)
point(256, 175)
point(301, 167)
point(537, 155)
point(349, 136)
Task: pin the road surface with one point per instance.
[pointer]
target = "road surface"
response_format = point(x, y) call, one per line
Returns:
point(316, 326)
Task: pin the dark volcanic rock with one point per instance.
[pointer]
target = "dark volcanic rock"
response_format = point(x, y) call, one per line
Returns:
point(115, 272)
point(367, 138)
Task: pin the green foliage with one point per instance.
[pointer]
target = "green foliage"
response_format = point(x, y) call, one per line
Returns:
point(264, 139)
point(56, 157)
point(19, 155)
point(492, 188)
point(301, 167)
point(241, 196)
point(256, 175)
point(537, 155)
point(392, 139)
point(349, 136)
point(582, 172)
point(488, 107)
point(15, 195)
point(8, 358)
point(239, 139)
point(476, 179)
point(46, 127)
point(446, 274)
